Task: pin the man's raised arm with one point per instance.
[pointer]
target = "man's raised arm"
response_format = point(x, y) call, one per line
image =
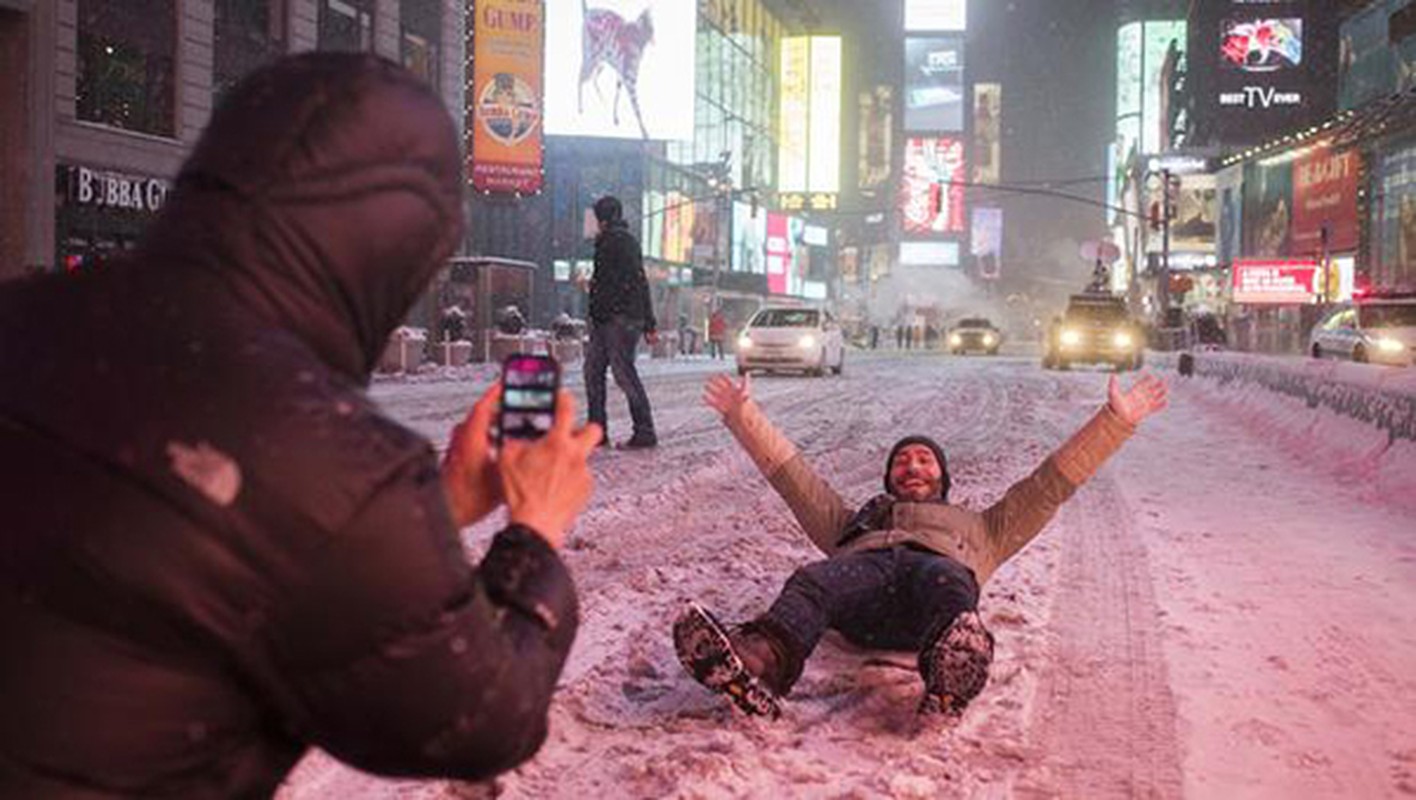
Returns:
point(817, 507)
point(1030, 503)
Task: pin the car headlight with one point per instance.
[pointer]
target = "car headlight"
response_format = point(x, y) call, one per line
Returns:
point(955, 339)
point(1071, 337)
point(744, 341)
point(1389, 345)
point(807, 342)
point(988, 338)
point(1122, 339)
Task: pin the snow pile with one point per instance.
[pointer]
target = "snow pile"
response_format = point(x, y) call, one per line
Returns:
point(1357, 421)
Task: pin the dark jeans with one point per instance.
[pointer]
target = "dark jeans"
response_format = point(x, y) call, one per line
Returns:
point(612, 347)
point(900, 598)
point(715, 348)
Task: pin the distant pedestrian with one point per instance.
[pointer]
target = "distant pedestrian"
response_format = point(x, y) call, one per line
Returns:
point(874, 336)
point(717, 332)
point(620, 312)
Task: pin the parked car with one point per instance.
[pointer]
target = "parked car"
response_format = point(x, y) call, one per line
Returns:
point(1379, 330)
point(1096, 328)
point(803, 339)
point(974, 334)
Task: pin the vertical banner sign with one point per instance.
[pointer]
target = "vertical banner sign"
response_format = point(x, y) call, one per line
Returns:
point(877, 125)
point(505, 97)
point(988, 105)
point(1325, 199)
point(795, 118)
point(779, 254)
point(932, 189)
point(824, 162)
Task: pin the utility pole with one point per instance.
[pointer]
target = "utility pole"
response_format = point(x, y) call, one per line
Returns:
point(1167, 212)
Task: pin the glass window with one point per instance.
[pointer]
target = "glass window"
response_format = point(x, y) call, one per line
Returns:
point(247, 34)
point(421, 21)
point(346, 25)
point(127, 64)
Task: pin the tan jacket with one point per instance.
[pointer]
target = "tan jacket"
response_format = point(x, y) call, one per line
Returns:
point(980, 541)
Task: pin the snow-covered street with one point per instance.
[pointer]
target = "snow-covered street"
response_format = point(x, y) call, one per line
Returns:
point(1214, 615)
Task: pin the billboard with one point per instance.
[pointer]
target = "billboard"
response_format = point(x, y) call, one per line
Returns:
point(1257, 69)
point(929, 254)
point(1268, 281)
point(931, 189)
point(1268, 204)
point(779, 254)
point(619, 68)
point(749, 239)
point(877, 125)
point(1158, 39)
point(1194, 227)
point(505, 101)
point(934, 84)
point(1229, 187)
point(986, 241)
point(809, 132)
point(936, 15)
point(1366, 64)
point(1324, 199)
point(987, 126)
point(1394, 214)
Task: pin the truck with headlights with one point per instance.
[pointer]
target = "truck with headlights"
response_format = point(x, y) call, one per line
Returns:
point(1096, 328)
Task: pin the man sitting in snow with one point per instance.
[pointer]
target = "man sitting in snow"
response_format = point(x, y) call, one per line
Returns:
point(904, 571)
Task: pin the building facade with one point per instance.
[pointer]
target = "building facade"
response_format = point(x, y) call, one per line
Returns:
point(100, 102)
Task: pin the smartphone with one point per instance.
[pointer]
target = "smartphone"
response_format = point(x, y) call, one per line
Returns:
point(528, 396)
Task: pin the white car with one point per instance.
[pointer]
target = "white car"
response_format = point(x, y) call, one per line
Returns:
point(1380, 330)
point(791, 339)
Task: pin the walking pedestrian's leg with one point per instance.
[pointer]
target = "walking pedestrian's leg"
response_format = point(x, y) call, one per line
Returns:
point(621, 353)
point(597, 360)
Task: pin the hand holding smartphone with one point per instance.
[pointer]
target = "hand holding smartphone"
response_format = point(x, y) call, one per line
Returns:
point(530, 384)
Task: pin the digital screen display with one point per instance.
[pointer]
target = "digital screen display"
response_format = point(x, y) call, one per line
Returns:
point(934, 84)
point(620, 68)
point(936, 15)
point(932, 189)
point(1262, 45)
point(529, 398)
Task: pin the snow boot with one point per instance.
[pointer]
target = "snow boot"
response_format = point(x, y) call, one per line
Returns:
point(955, 666)
point(707, 651)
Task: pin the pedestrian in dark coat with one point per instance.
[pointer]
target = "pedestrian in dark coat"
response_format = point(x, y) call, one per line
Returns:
point(217, 552)
point(620, 313)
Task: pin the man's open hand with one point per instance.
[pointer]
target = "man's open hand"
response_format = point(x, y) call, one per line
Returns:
point(1145, 397)
point(726, 397)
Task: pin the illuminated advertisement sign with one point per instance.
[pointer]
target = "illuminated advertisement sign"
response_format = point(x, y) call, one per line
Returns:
point(877, 125)
point(779, 254)
point(1324, 199)
point(1258, 69)
point(1262, 45)
point(1274, 282)
point(986, 241)
point(749, 240)
point(504, 104)
point(795, 118)
point(809, 155)
point(620, 68)
point(1159, 38)
point(934, 84)
point(932, 190)
point(929, 254)
point(936, 15)
point(1365, 62)
point(987, 154)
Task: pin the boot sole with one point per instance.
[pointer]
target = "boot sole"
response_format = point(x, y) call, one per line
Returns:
point(955, 667)
point(707, 654)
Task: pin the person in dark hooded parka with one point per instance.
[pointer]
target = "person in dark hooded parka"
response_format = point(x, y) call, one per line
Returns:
point(216, 551)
